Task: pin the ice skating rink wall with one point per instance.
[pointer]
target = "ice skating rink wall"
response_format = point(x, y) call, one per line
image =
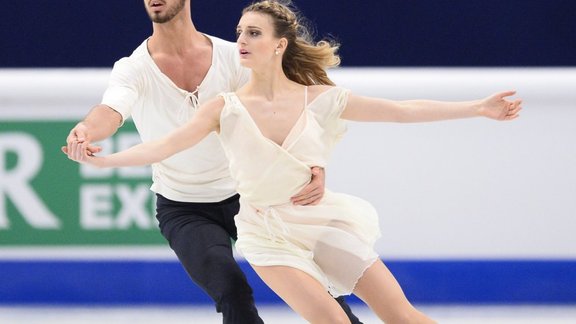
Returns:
point(471, 211)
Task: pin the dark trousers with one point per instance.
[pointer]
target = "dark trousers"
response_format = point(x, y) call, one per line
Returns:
point(199, 234)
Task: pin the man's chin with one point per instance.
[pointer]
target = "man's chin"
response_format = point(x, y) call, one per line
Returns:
point(159, 20)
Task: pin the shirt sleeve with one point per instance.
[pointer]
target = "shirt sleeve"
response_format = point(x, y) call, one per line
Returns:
point(242, 74)
point(123, 88)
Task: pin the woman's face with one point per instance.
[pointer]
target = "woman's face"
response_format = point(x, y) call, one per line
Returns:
point(256, 41)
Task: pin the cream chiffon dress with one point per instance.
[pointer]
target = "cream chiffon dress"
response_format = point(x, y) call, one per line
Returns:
point(332, 241)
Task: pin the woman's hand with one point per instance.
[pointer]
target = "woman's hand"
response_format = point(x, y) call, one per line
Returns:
point(84, 154)
point(499, 108)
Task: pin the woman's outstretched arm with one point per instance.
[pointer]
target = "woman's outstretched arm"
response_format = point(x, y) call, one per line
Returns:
point(496, 106)
point(205, 120)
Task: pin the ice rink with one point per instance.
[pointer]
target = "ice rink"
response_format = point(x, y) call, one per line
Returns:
point(536, 314)
point(468, 260)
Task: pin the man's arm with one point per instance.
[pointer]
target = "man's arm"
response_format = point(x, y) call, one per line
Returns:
point(101, 123)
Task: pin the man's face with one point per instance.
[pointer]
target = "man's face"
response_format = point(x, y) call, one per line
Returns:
point(161, 11)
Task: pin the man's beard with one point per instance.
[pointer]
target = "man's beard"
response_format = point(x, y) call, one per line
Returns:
point(172, 12)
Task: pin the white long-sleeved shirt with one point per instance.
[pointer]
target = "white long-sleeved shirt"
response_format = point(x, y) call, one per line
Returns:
point(138, 89)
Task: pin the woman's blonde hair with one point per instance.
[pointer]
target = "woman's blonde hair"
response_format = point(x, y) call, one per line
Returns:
point(304, 61)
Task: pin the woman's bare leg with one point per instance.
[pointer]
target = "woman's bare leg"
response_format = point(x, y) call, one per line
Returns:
point(303, 294)
point(379, 289)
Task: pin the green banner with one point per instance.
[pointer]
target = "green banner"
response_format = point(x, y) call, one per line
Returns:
point(47, 199)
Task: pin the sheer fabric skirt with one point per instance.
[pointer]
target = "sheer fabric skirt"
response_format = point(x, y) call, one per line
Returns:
point(332, 241)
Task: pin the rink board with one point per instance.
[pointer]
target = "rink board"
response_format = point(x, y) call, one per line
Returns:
point(152, 282)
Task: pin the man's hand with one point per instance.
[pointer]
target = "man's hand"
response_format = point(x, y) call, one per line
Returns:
point(78, 136)
point(314, 191)
point(102, 122)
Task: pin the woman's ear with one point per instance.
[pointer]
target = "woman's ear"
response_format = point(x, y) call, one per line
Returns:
point(282, 45)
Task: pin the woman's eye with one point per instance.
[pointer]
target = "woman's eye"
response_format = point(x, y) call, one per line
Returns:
point(253, 33)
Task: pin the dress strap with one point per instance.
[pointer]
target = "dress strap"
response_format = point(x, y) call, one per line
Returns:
point(305, 96)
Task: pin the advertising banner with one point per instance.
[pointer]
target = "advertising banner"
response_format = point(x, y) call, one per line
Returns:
point(47, 199)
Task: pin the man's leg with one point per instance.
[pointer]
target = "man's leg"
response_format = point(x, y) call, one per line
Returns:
point(346, 308)
point(203, 246)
